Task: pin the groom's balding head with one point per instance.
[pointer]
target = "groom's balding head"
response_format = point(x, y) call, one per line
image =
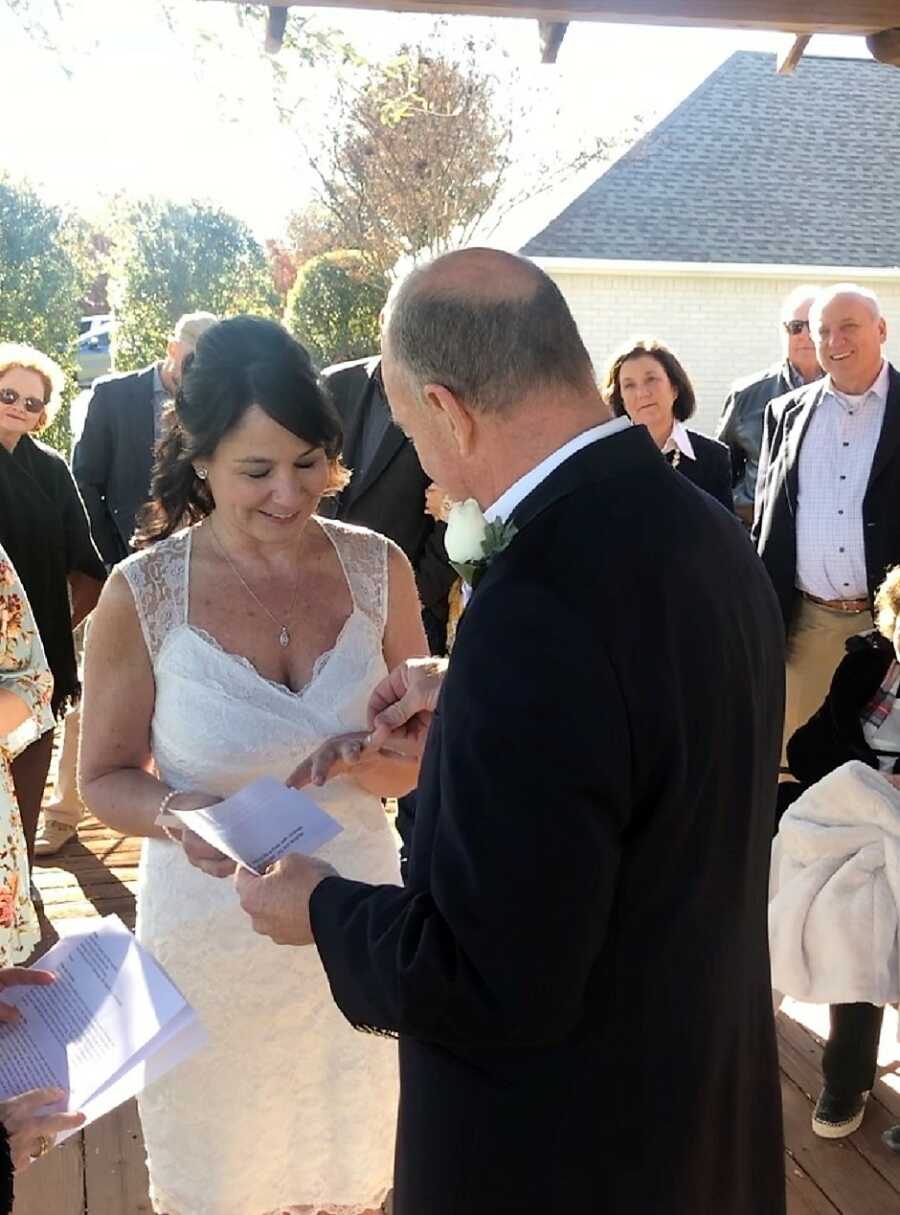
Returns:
point(488, 326)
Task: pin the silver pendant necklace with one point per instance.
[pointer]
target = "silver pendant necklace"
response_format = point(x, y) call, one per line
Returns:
point(284, 637)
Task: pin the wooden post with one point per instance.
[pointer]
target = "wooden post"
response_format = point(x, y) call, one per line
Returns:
point(551, 35)
point(276, 24)
point(789, 59)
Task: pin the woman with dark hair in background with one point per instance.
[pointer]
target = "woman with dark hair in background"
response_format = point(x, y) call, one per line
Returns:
point(249, 633)
point(647, 382)
point(45, 531)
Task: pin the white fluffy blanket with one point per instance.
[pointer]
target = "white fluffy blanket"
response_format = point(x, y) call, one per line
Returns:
point(834, 909)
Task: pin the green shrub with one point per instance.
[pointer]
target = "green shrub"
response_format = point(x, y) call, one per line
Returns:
point(41, 287)
point(169, 259)
point(333, 307)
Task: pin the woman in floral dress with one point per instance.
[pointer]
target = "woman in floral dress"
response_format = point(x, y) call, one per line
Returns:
point(26, 691)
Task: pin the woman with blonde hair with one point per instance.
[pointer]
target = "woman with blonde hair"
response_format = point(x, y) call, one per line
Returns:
point(45, 531)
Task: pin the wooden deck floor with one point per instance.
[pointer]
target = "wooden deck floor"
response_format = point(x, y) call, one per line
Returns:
point(101, 1172)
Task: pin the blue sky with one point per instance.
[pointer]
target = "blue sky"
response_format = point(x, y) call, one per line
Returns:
point(140, 111)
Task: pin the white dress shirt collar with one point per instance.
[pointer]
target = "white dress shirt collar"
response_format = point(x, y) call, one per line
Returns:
point(879, 388)
point(680, 440)
point(519, 490)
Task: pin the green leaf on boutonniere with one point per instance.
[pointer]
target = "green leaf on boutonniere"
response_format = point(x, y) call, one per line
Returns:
point(497, 536)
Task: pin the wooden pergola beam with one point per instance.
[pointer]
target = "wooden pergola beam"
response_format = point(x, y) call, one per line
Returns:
point(814, 17)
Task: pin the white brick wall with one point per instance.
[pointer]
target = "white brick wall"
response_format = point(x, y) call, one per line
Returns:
point(721, 326)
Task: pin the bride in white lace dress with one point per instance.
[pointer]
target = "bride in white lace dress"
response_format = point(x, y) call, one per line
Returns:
point(229, 650)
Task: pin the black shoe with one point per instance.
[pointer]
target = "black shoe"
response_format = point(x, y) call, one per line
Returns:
point(836, 1117)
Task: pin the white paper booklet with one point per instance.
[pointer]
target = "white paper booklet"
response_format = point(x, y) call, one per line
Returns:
point(262, 823)
point(110, 1025)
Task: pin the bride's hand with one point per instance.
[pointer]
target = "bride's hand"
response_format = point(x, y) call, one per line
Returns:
point(339, 756)
point(202, 856)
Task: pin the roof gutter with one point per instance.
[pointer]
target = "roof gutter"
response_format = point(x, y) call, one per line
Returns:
point(619, 266)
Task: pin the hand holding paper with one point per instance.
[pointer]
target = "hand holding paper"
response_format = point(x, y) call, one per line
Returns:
point(20, 976)
point(108, 1025)
point(278, 902)
point(260, 824)
point(31, 1127)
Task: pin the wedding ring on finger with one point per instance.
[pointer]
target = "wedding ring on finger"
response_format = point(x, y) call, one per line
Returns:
point(42, 1147)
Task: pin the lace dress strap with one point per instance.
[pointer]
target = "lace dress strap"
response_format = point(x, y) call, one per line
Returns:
point(364, 556)
point(158, 578)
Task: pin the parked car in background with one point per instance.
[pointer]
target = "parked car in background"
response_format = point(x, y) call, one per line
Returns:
point(93, 355)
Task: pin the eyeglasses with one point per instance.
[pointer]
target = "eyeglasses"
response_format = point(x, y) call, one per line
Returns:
point(9, 396)
point(796, 327)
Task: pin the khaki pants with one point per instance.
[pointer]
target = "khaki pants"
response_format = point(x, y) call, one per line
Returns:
point(67, 807)
point(816, 645)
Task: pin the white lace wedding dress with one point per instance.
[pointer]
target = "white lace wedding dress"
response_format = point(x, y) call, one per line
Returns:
point(288, 1105)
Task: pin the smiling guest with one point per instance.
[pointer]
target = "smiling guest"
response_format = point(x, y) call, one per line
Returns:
point(828, 493)
point(647, 382)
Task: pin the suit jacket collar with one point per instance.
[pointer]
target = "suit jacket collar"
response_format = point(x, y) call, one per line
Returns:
point(797, 418)
point(630, 448)
point(604, 458)
point(144, 420)
point(889, 439)
point(798, 415)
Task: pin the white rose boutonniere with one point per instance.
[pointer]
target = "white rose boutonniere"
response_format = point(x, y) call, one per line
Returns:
point(471, 542)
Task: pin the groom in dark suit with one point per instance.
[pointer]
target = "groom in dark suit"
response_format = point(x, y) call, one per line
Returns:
point(577, 968)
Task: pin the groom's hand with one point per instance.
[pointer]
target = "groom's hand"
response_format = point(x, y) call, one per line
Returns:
point(339, 756)
point(401, 707)
point(278, 902)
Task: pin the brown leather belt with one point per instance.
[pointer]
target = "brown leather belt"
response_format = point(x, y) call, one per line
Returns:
point(853, 607)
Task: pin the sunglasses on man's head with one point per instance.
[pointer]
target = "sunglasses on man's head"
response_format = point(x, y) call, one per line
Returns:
point(795, 327)
point(9, 396)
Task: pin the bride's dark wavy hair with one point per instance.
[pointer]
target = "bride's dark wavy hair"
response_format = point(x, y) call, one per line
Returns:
point(238, 363)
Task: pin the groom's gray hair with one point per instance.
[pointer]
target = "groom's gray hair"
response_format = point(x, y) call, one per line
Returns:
point(488, 326)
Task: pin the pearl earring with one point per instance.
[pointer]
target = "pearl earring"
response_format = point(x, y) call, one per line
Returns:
point(202, 473)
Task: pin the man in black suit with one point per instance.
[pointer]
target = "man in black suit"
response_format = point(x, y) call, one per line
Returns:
point(113, 459)
point(387, 489)
point(828, 494)
point(578, 966)
point(741, 424)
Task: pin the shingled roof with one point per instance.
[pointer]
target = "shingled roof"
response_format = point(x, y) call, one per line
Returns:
point(754, 167)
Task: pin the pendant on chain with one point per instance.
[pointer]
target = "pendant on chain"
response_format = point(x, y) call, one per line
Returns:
point(284, 637)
